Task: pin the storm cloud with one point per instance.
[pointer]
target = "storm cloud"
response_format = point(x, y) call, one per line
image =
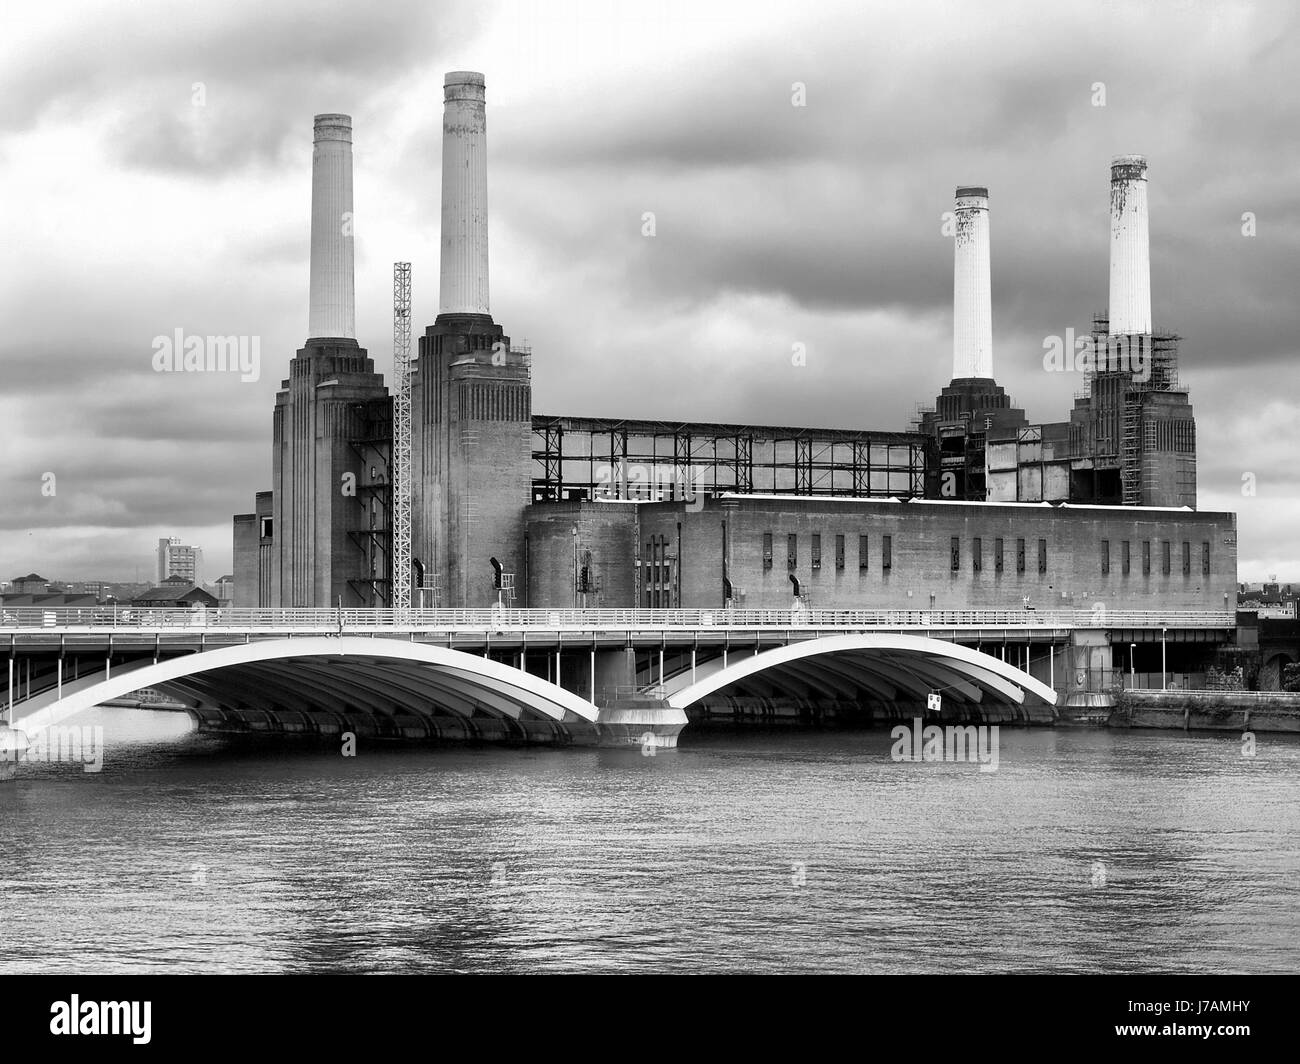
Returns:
point(157, 160)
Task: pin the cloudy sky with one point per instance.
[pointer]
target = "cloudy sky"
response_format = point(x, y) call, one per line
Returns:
point(156, 162)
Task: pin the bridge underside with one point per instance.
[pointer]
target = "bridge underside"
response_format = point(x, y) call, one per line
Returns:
point(872, 677)
point(328, 686)
point(331, 696)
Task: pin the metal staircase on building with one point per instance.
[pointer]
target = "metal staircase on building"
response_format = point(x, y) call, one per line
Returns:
point(1131, 450)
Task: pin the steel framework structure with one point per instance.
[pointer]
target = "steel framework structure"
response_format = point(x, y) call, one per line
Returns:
point(593, 458)
point(401, 547)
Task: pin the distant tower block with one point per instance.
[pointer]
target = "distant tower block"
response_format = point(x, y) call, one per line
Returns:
point(332, 315)
point(1130, 254)
point(464, 279)
point(972, 309)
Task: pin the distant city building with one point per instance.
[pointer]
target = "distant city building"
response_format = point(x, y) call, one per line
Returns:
point(1270, 601)
point(86, 587)
point(58, 600)
point(120, 593)
point(31, 584)
point(178, 559)
point(224, 589)
point(175, 594)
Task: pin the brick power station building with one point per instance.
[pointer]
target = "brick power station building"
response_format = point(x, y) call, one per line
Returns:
point(975, 507)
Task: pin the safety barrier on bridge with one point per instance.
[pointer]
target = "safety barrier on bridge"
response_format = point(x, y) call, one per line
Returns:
point(25, 618)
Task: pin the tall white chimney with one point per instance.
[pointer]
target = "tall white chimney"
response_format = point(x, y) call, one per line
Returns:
point(972, 310)
point(464, 281)
point(1130, 251)
point(333, 314)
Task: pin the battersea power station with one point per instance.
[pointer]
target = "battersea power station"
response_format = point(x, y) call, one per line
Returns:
point(451, 492)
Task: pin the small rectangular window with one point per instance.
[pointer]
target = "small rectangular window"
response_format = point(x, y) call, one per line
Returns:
point(1020, 555)
point(886, 552)
point(1187, 558)
point(767, 550)
point(1205, 558)
point(1042, 555)
point(977, 554)
point(816, 551)
point(839, 552)
point(864, 556)
point(1126, 558)
point(1165, 558)
point(997, 555)
point(1105, 557)
point(1146, 557)
point(791, 551)
point(955, 547)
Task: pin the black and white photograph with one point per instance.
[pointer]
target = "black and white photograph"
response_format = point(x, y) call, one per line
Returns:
point(676, 487)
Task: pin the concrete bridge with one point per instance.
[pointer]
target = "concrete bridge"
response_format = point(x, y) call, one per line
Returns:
point(610, 676)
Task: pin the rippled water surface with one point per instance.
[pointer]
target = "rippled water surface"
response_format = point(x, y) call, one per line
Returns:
point(741, 851)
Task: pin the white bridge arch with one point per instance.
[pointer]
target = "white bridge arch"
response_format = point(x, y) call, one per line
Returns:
point(884, 665)
point(327, 683)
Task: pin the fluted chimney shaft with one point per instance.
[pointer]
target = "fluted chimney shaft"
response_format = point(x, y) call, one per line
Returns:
point(333, 313)
point(1130, 247)
point(464, 279)
point(972, 310)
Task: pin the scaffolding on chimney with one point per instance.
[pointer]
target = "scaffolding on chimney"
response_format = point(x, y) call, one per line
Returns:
point(1132, 391)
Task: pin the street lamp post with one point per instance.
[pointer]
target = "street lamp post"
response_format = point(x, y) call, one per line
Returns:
point(1164, 676)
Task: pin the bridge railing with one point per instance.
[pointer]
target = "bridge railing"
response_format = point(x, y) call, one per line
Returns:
point(499, 619)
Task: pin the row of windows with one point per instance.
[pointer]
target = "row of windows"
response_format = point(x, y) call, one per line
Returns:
point(658, 569)
point(1178, 436)
point(1166, 557)
point(977, 554)
point(999, 555)
point(864, 549)
point(491, 402)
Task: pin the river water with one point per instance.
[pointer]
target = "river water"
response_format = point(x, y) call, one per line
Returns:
point(759, 851)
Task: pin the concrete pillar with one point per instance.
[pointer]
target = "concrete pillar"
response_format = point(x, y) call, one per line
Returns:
point(1130, 254)
point(614, 669)
point(464, 280)
point(332, 314)
point(12, 745)
point(972, 302)
point(1090, 668)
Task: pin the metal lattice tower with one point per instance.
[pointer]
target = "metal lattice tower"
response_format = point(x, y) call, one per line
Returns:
point(401, 594)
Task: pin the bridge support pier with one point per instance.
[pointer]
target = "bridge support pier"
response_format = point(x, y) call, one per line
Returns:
point(627, 717)
point(613, 674)
point(650, 723)
point(1091, 669)
point(12, 745)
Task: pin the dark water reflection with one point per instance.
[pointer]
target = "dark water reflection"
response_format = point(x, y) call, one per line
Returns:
point(191, 854)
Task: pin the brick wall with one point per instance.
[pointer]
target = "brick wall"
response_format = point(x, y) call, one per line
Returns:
point(921, 560)
point(606, 533)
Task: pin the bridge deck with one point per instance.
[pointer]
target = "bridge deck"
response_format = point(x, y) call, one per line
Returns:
point(29, 620)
